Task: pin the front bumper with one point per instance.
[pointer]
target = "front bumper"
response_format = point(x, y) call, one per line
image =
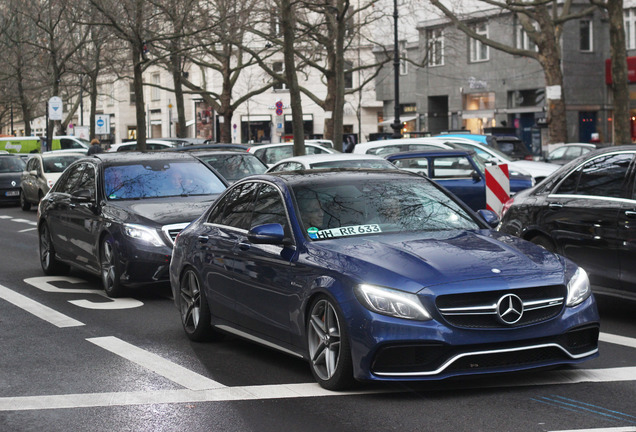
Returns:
point(144, 264)
point(390, 349)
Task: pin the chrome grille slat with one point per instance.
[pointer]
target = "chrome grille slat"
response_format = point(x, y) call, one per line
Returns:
point(171, 231)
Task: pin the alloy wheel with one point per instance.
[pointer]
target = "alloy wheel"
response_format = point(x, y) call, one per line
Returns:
point(324, 339)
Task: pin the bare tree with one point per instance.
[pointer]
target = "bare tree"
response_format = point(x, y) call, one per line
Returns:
point(620, 82)
point(542, 21)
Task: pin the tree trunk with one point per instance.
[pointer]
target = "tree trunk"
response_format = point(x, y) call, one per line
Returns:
point(620, 85)
point(93, 112)
point(288, 26)
point(175, 60)
point(140, 109)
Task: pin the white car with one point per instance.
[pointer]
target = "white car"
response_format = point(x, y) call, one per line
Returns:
point(390, 146)
point(270, 154)
point(336, 160)
point(41, 172)
point(150, 145)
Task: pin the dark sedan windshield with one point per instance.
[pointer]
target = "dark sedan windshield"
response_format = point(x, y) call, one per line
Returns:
point(155, 179)
point(234, 167)
point(377, 206)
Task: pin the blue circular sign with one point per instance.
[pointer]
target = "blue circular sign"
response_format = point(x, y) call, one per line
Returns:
point(100, 122)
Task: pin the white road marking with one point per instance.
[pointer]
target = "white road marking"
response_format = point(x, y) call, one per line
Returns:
point(28, 229)
point(157, 364)
point(39, 310)
point(616, 429)
point(618, 340)
point(26, 221)
point(281, 391)
point(6, 217)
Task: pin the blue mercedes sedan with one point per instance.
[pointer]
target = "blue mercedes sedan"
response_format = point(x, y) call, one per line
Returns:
point(377, 275)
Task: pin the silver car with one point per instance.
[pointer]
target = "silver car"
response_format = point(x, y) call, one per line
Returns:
point(41, 173)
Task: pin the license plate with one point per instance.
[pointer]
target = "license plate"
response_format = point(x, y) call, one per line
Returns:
point(12, 193)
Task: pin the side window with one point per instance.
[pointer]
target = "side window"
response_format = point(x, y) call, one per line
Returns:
point(451, 167)
point(238, 213)
point(216, 216)
point(87, 181)
point(270, 208)
point(68, 182)
point(31, 165)
point(602, 176)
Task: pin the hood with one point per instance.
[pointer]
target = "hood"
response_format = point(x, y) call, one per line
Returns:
point(419, 261)
point(536, 168)
point(161, 211)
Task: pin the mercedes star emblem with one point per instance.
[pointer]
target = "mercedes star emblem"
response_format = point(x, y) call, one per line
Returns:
point(509, 309)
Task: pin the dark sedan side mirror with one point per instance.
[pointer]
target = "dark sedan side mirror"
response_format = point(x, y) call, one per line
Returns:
point(476, 177)
point(82, 195)
point(272, 233)
point(490, 217)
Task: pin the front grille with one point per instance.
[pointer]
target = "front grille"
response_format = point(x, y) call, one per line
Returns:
point(171, 231)
point(479, 310)
point(440, 359)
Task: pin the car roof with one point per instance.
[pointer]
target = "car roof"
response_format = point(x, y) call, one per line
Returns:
point(212, 146)
point(123, 157)
point(211, 152)
point(326, 157)
point(342, 175)
point(424, 153)
point(395, 141)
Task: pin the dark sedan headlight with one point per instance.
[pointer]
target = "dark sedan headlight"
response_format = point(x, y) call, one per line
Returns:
point(391, 302)
point(144, 234)
point(578, 288)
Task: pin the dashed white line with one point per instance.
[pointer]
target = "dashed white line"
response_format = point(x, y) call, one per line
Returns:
point(39, 310)
point(616, 429)
point(618, 340)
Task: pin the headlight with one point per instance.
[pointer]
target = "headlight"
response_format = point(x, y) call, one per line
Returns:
point(578, 288)
point(391, 302)
point(142, 233)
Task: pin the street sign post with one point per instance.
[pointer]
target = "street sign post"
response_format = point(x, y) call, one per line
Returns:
point(102, 124)
point(55, 108)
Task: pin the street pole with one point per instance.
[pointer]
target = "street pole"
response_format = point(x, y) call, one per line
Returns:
point(81, 95)
point(397, 124)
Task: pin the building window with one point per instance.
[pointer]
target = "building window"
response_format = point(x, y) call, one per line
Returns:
point(522, 40)
point(279, 68)
point(156, 91)
point(275, 29)
point(348, 75)
point(586, 35)
point(403, 56)
point(131, 91)
point(435, 46)
point(630, 28)
point(478, 50)
point(479, 101)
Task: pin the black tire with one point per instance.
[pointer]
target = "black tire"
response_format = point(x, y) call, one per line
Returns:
point(110, 268)
point(50, 264)
point(194, 308)
point(544, 242)
point(24, 204)
point(328, 345)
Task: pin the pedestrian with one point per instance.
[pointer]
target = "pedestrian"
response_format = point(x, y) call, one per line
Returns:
point(95, 147)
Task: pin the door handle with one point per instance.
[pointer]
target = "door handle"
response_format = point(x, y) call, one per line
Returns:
point(203, 239)
point(244, 246)
point(555, 205)
point(630, 213)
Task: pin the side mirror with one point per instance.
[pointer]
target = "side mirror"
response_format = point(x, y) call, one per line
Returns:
point(267, 234)
point(82, 195)
point(34, 173)
point(490, 217)
point(476, 177)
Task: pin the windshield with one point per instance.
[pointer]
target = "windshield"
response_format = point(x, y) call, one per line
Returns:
point(377, 206)
point(235, 166)
point(58, 163)
point(11, 164)
point(156, 179)
point(354, 163)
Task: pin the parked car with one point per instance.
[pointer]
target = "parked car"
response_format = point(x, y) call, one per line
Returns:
point(233, 165)
point(377, 275)
point(40, 174)
point(116, 215)
point(567, 152)
point(586, 211)
point(390, 146)
point(459, 171)
point(11, 167)
point(272, 153)
point(511, 146)
point(335, 160)
point(210, 146)
point(151, 144)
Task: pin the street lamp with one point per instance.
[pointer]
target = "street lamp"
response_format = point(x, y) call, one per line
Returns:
point(397, 124)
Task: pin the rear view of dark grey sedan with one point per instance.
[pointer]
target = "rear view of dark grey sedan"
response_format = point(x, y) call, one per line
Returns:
point(117, 215)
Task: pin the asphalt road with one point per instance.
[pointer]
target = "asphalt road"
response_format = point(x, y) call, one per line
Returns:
point(73, 360)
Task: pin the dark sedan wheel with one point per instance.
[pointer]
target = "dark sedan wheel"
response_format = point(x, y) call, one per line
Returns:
point(24, 204)
point(110, 271)
point(51, 265)
point(195, 311)
point(328, 343)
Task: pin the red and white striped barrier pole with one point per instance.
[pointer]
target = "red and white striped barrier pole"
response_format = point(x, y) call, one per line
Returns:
point(497, 187)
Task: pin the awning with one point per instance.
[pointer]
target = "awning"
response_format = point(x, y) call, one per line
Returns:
point(306, 117)
point(478, 114)
point(402, 119)
point(256, 118)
